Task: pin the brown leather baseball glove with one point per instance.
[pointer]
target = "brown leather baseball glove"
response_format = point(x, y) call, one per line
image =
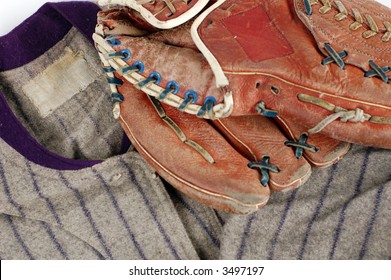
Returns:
point(323, 64)
point(229, 163)
point(161, 14)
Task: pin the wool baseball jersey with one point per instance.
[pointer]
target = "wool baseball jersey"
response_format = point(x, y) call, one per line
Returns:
point(67, 189)
point(72, 187)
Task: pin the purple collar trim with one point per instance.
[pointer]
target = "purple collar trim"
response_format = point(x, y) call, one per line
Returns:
point(25, 43)
point(44, 29)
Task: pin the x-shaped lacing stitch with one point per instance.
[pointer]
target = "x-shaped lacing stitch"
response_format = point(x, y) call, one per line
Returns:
point(378, 71)
point(301, 145)
point(262, 110)
point(355, 116)
point(334, 56)
point(265, 167)
point(374, 29)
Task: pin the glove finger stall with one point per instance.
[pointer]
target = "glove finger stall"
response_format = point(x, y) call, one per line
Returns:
point(226, 184)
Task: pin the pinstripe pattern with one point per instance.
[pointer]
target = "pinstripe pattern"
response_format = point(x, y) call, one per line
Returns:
point(37, 189)
point(87, 214)
point(357, 191)
point(15, 103)
point(19, 238)
point(281, 225)
point(74, 143)
point(118, 209)
point(98, 254)
point(7, 192)
point(85, 118)
point(372, 221)
point(94, 123)
point(119, 213)
point(317, 211)
point(151, 210)
point(245, 236)
point(221, 219)
point(125, 200)
point(42, 240)
point(55, 241)
point(339, 213)
point(201, 222)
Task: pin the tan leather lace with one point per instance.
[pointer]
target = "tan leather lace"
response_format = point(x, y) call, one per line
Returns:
point(169, 3)
point(374, 29)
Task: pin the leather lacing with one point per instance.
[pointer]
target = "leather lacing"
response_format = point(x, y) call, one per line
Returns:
point(299, 146)
point(372, 29)
point(171, 88)
point(169, 4)
point(264, 167)
point(359, 22)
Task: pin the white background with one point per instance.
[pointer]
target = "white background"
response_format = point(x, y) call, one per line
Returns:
point(119, 270)
point(13, 12)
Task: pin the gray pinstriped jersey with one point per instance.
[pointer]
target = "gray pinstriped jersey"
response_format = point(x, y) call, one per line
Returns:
point(116, 209)
point(119, 209)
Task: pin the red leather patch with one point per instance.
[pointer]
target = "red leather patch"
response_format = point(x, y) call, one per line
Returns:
point(257, 35)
